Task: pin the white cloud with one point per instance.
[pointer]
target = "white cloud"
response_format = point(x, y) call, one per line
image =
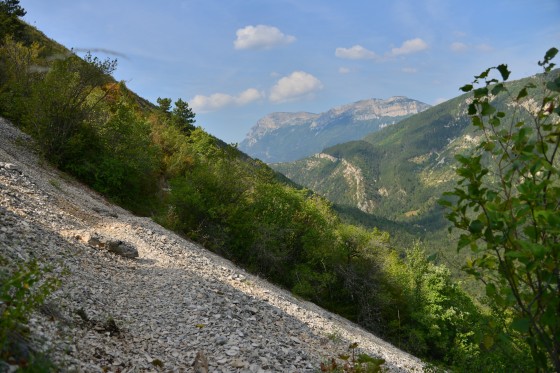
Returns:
point(458, 47)
point(213, 102)
point(409, 70)
point(297, 84)
point(248, 96)
point(409, 46)
point(260, 37)
point(343, 70)
point(216, 101)
point(357, 52)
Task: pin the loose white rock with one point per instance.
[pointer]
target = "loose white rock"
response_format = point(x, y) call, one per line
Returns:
point(162, 307)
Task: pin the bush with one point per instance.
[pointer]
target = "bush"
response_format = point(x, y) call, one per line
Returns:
point(21, 292)
point(506, 204)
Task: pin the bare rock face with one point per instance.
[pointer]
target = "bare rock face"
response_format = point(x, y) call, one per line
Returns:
point(274, 121)
point(284, 137)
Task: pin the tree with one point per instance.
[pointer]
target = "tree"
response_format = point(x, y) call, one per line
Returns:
point(507, 204)
point(62, 106)
point(164, 104)
point(10, 10)
point(183, 116)
point(20, 70)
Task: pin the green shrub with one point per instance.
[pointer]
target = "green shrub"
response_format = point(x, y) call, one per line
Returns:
point(506, 205)
point(21, 291)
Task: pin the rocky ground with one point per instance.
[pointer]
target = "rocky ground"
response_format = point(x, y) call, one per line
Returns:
point(156, 311)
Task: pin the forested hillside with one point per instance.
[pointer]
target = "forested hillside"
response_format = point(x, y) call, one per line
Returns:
point(393, 178)
point(153, 160)
point(502, 171)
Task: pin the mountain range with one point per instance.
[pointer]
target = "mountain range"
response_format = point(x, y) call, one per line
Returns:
point(392, 178)
point(90, 286)
point(284, 137)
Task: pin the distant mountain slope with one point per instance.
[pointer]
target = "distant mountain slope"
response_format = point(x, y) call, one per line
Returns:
point(399, 172)
point(384, 173)
point(284, 137)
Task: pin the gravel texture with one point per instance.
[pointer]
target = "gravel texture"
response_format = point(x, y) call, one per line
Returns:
point(155, 312)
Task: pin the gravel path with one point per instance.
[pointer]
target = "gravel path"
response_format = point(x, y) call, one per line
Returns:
point(157, 311)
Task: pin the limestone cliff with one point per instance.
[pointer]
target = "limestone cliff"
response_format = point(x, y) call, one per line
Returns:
point(282, 137)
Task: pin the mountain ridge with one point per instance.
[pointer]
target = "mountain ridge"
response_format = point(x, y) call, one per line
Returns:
point(284, 136)
point(406, 167)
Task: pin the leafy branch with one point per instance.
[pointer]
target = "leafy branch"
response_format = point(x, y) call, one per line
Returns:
point(507, 201)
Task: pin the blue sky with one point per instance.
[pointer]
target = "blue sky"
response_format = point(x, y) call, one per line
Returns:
point(235, 61)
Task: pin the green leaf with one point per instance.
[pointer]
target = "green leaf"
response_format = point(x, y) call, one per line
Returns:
point(488, 341)
point(466, 88)
point(481, 92)
point(483, 75)
point(476, 226)
point(515, 254)
point(550, 54)
point(487, 109)
point(464, 240)
point(503, 69)
point(491, 290)
point(495, 122)
point(489, 146)
point(498, 88)
point(363, 358)
point(477, 122)
point(472, 109)
point(522, 93)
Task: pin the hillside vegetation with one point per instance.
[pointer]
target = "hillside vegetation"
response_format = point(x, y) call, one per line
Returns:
point(393, 178)
point(152, 160)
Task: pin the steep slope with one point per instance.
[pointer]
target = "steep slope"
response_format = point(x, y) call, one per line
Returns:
point(403, 169)
point(282, 137)
point(176, 298)
point(394, 164)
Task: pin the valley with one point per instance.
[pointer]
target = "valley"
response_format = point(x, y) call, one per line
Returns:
point(135, 240)
point(399, 173)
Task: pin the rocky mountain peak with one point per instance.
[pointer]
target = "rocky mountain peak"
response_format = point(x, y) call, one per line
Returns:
point(280, 137)
point(277, 120)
